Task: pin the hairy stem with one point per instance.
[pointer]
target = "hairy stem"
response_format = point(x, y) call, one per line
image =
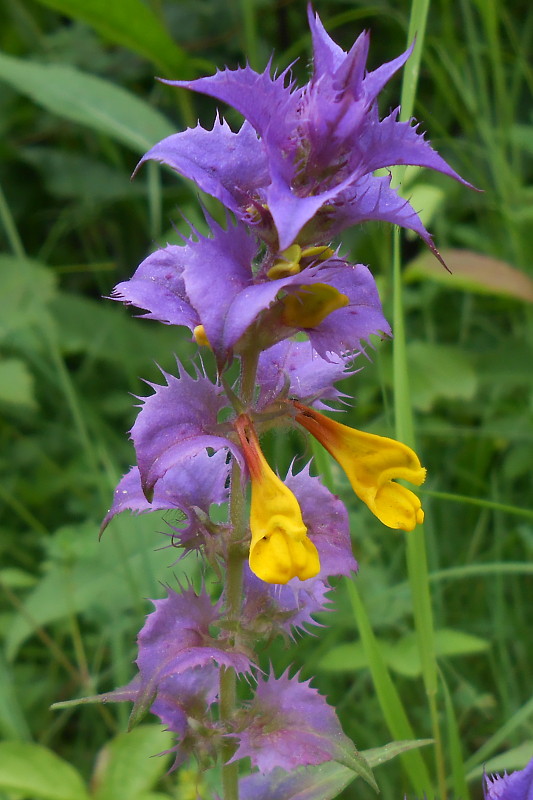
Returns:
point(234, 578)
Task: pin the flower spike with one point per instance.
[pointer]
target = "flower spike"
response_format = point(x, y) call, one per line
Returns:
point(371, 463)
point(280, 548)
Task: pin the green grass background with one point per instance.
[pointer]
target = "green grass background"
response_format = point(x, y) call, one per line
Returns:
point(433, 639)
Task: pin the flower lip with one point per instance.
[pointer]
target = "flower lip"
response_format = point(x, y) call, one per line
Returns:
point(280, 548)
point(372, 464)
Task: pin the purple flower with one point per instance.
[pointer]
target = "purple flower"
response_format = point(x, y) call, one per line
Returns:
point(288, 724)
point(294, 369)
point(184, 705)
point(180, 490)
point(304, 153)
point(516, 786)
point(175, 640)
point(221, 283)
point(178, 421)
point(270, 609)
point(176, 637)
point(179, 660)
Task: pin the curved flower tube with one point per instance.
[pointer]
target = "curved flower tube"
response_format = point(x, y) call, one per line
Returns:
point(371, 463)
point(280, 548)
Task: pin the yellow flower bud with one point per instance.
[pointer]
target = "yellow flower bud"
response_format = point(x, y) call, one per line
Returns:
point(371, 464)
point(321, 252)
point(280, 548)
point(200, 336)
point(288, 263)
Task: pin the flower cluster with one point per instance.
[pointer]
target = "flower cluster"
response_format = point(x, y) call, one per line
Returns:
point(270, 297)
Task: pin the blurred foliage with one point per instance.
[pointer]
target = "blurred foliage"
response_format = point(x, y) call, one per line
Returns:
point(78, 106)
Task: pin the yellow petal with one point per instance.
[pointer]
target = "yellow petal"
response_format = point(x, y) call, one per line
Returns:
point(311, 304)
point(280, 548)
point(278, 558)
point(372, 463)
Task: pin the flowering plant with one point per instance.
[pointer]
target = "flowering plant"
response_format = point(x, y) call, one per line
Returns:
point(298, 171)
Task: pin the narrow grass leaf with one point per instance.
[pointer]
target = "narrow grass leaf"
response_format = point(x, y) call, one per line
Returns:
point(499, 738)
point(455, 749)
point(389, 699)
point(513, 759)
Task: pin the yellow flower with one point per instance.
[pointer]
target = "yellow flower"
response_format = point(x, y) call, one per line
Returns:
point(310, 305)
point(372, 463)
point(280, 548)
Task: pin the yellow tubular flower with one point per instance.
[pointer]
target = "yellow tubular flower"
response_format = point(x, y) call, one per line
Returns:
point(311, 304)
point(372, 463)
point(280, 548)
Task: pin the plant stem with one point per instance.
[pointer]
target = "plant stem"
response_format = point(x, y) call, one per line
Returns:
point(233, 594)
point(10, 228)
point(417, 563)
point(234, 579)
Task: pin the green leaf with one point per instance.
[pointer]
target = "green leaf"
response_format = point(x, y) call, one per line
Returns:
point(106, 332)
point(13, 722)
point(380, 755)
point(17, 578)
point(25, 288)
point(439, 372)
point(436, 372)
point(132, 24)
point(427, 201)
point(326, 781)
point(88, 575)
point(472, 272)
point(403, 656)
point(35, 772)
point(514, 759)
point(126, 767)
point(323, 782)
point(152, 796)
point(69, 175)
point(16, 383)
point(87, 100)
point(357, 763)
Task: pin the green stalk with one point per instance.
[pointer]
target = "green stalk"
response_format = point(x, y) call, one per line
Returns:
point(388, 696)
point(154, 199)
point(250, 32)
point(228, 677)
point(12, 234)
point(238, 520)
point(417, 565)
